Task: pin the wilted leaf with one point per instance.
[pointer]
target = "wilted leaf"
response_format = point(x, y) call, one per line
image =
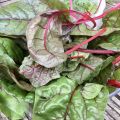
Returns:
point(50, 54)
point(63, 99)
point(37, 74)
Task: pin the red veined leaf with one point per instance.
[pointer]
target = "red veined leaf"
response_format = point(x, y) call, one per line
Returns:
point(86, 41)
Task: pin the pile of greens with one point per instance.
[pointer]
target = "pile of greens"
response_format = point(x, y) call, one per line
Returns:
point(55, 62)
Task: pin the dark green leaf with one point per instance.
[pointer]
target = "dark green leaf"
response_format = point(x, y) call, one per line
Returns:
point(9, 47)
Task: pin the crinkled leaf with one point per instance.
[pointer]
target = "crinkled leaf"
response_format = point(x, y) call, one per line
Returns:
point(113, 43)
point(8, 46)
point(83, 30)
point(63, 100)
point(83, 73)
point(50, 55)
point(91, 90)
point(12, 102)
point(15, 16)
point(55, 4)
point(113, 19)
point(37, 74)
point(111, 22)
point(67, 66)
point(83, 6)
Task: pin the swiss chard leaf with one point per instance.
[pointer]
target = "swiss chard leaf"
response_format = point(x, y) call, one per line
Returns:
point(113, 42)
point(50, 54)
point(83, 73)
point(37, 74)
point(15, 16)
point(12, 102)
point(63, 99)
point(9, 47)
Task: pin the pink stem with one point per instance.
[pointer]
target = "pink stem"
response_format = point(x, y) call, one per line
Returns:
point(47, 26)
point(86, 41)
point(117, 60)
point(97, 51)
point(71, 4)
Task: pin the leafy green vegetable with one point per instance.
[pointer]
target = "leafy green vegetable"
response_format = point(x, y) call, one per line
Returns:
point(50, 54)
point(44, 78)
point(68, 101)
point(14, 17)
point(83, 73)
point(12, 102)
point(9, 47)
point(112, 43)
point(37, 74)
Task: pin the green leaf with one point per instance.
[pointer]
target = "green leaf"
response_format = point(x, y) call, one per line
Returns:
point(37, 74)
point(55, 4)
point(91, 90)
point(116, 74)
point(84, 6)
point(113, 43)
point(12, 102)
point(84, 31)
point(83, 73)
point(8, 74)
point(14, 17)
point(6, 60)
point(63, 99)
point(9, 47)
point(113, 20)
point(50, 54)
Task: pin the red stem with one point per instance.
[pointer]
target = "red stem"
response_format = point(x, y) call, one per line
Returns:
point(114, 83)
point(117, 60)
point(85, 42)
point(74, 57)
point(97, 51)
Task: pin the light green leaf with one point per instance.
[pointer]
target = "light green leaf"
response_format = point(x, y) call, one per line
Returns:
point(84, 31)
point(12, 102)
point(15, 16)
point(91, 90)
point(83, 73)
point(116, 74)
point(63, 99)
point(113, 43)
